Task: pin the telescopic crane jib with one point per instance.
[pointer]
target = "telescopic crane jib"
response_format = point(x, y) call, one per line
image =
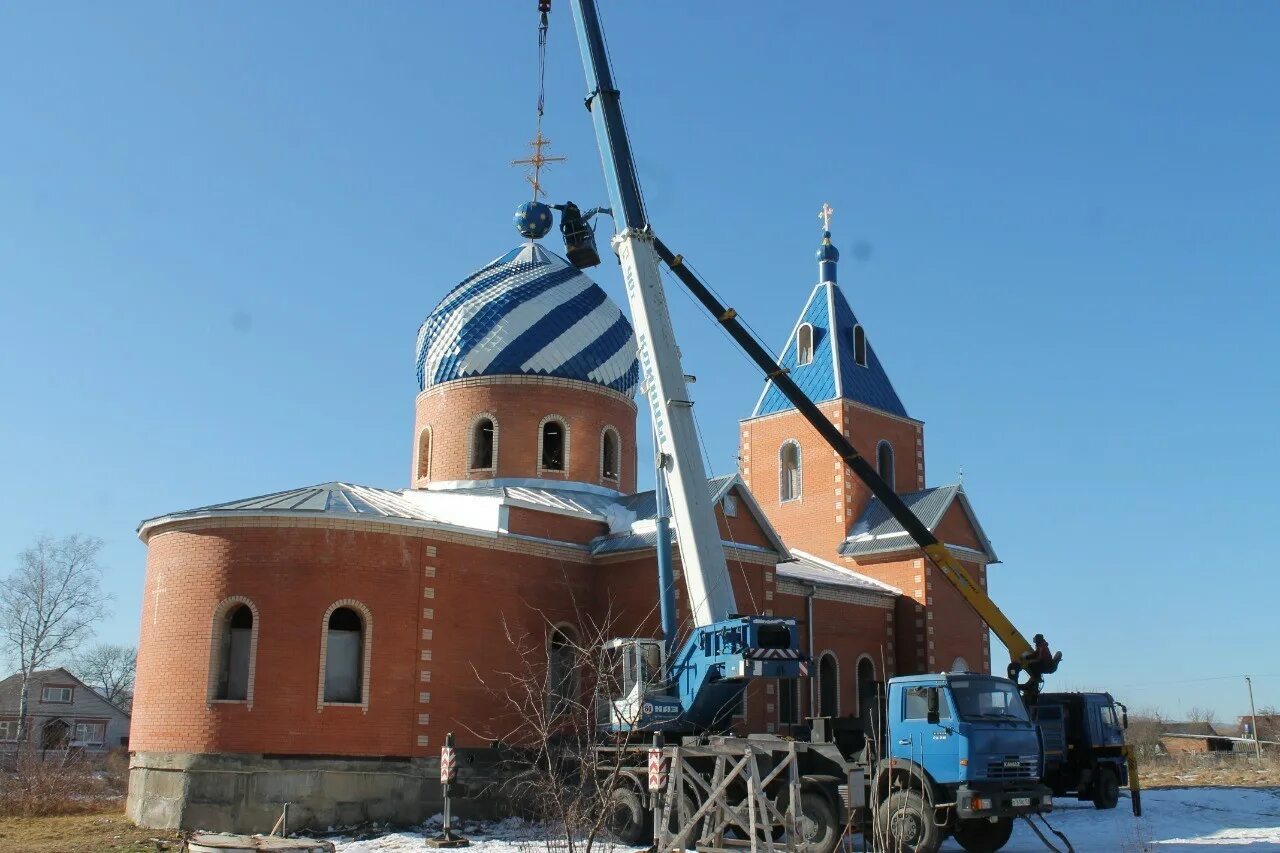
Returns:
point(639, 251)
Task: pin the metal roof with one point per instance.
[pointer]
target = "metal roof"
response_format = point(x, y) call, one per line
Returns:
point(806, 568)
point(878, 532)
point(645, 504)
point(327, 498)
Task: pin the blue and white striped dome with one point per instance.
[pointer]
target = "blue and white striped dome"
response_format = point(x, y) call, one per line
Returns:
point(528, 313)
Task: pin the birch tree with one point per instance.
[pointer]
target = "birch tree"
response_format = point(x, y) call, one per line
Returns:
point(49, 605)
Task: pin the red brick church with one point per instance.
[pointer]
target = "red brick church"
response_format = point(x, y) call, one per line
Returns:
point(314, 645)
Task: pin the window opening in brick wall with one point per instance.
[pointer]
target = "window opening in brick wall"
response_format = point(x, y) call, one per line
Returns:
point(860, 346)
point(866, 689)
point(424, 454)
point(8, 730)
point(553, 445)
point(482, 444)
point(237, 644)
point(804, 345)
point(884, 463)
point(609, 454)
point(828, 686)
point(788, 701)
point(344, 657)
point(562, 671)
point(789, 484)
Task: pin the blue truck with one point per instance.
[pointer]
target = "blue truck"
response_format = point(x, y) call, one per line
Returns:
point(940, 755)
point(1085, 752)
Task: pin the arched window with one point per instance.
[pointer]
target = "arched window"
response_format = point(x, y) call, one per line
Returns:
point(828, 685)
point(884, 463)
point(484, 435)
point(859, 346)
point(788, 701)
point(344, 653)
point(804, 344)
point(235, 640)
point(789, 484)
point(865, 689)
point(562, 671)
point(553, 444)
point(609, 454)
point(424, 453)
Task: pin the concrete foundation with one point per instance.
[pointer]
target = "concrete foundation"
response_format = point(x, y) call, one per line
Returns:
point(246, 793)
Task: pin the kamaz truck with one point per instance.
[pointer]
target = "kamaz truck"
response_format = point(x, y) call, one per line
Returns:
point(1085, 753)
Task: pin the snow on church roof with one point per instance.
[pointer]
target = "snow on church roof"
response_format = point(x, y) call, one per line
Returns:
point(528, 312)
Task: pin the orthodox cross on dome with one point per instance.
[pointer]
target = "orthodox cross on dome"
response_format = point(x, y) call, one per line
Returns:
point(825, 216)
point(537, 160)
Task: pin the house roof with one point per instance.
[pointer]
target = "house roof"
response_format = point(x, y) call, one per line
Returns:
point(833, 373)
point(806, 568)
point(1195, 728)
point(11, 688)
point(878, 532)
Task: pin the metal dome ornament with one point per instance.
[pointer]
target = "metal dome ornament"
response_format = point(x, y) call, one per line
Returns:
point(533, 220)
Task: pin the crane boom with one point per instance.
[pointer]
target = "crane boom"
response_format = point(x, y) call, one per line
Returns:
point(1021, 654)
point(702, 557)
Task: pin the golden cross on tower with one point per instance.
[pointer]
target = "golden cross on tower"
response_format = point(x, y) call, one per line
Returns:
point(825, 216)
point(537, 161)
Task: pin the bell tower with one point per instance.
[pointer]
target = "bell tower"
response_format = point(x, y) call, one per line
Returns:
point(808, 494)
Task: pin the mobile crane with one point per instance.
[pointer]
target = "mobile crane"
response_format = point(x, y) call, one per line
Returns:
point(986, 770)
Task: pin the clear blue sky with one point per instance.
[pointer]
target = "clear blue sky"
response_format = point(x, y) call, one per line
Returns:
point(221, 224)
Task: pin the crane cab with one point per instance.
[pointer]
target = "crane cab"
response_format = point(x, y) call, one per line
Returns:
point(631, 690)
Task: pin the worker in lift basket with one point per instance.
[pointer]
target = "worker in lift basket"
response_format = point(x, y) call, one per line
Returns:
point(1047, 661)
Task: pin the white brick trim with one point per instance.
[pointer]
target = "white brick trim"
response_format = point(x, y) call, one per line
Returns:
point(471, 442)
point(220, 613)
point(799, 492)
point(617, 450)
point(366, 653)
point(564, 425)
point(419, 472)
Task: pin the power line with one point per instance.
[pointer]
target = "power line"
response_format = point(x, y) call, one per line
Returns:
point(1198, 680)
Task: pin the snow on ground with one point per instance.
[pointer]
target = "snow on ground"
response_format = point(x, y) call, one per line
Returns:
point(1179, 820)
point(1174, 820)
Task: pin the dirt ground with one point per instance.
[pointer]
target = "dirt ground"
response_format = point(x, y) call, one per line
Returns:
point(84, 833)
point(1231, 771)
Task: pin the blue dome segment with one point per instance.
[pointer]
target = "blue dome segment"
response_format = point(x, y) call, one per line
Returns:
point(533, 219)
point(528, 313)
point(827, 257)
point(828, 252)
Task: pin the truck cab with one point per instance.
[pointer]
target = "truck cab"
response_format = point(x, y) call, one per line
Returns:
point(964, 739)
point(1085, 755)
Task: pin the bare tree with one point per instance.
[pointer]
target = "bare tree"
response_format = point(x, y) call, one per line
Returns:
point(110, 670)
point(561, 768)
point(49, 605)
point(1202, 715)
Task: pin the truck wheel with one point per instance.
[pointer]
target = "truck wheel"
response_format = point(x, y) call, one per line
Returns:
point(1106, 789)
point(687, 806)
point(626, 816)
point(979, 835)
point(906, 822)
point(816, 824)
